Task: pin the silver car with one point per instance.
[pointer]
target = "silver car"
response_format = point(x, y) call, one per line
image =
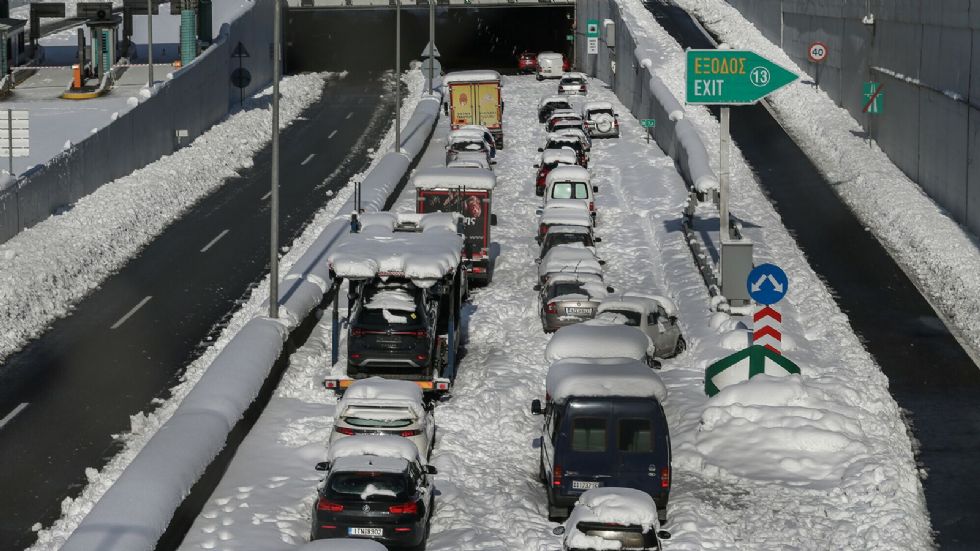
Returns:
point(655, 315)
point(600, 119)
point(569, 298)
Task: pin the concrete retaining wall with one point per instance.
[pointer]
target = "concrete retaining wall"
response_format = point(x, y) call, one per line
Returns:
point(930, 127)
point(198, 96)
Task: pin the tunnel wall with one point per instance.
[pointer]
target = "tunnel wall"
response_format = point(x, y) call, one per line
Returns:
point(926, 53)
point(466, 37)
point(198, 96)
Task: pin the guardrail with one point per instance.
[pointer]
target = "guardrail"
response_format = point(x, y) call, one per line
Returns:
point(136, 510)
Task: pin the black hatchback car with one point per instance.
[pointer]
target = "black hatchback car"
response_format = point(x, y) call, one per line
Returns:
point(387, 499)
point(392, 331)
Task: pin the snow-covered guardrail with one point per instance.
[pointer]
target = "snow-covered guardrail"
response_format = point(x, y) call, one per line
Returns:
point(136, 510)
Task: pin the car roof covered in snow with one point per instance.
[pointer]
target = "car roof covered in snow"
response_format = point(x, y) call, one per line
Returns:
point(580, 230)
point(378, 446)
point(457, 136)
point(572, 277)
point(454, 178)
point(597, 106)
point(600, 377)
point(559, 137)
point(623, 506)
point(566, 258)
point(551, 55)
point(553, 99)
point(376, 391)
point(573, 74)
point(564, 114)
point(583, 340)
point(377, 250)
point(471, 76)
point(343, 544)
point(638, 302)
point(468, 163)
point(554, 215)
point(571, 173)
point(566, 156)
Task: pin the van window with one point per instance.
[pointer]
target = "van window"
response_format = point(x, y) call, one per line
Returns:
point(570, 190)
point(589, 434)
point(635, 435)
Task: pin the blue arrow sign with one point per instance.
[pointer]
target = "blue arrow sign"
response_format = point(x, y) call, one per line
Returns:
point(767, 284)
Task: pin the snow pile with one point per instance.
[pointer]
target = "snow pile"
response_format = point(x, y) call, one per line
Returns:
point(619, 377)
point(422, 257)
point(781, 429)
point(395, 447)
point(624, 506)
point(588, 340)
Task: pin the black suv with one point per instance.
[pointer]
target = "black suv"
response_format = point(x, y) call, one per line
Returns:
point(392, 331)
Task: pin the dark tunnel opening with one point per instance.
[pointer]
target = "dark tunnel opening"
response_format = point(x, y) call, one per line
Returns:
point(466, 37)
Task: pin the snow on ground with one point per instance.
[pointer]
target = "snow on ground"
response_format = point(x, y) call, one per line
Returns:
point(223, 141)
point(836, 471)
point(940, 256)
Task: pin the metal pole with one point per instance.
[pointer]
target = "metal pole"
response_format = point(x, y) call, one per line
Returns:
point(10, 139)
point(432, 40)
point(398, 75)
point(335, 325)
point(274, 207)
point(723, 176)
point(149, 40)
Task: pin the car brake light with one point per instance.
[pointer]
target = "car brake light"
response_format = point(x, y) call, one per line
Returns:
point(556, 479)
point(329, 526)
point(403, 529)
point(327, 505)
point(665, 477)
point(409, 508)
point(330, 384)
point(345, 431)
point(421, 357)
point(355, 356)
point(442, 386)
point(591, 206)
point(357, 332)
point(421, 334)
point(407, 433)
point(551, 308)
point(543, 229)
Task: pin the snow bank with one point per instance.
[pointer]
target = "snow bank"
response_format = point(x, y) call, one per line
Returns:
point(395, 447)
point(598, 377)
point(624, 506)
point(587, 340)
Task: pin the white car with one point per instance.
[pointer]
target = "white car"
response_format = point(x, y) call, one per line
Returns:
point(655, 315)
point(385, 407)
point(573, 83)
point(613, 518)
point(482, 131)
point(550, 65)
point(572, 183)
point(467, 142)
point(601, 120)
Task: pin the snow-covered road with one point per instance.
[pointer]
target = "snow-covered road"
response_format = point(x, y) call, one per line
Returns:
point(814, 462)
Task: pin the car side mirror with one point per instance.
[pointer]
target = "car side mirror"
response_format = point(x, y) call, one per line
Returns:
point(663, 534)
point(445, 109)
point(537, 261)
point(559, 530)
point(540, 150)
point(610, 290)
point(538, 211)
point(536, 407)
point(602, 262)
point(431, 469)
point(597, 239)
point(493, 219)
point(537, 287)
point(595, 189)
point(322, 466)
point(537, 166)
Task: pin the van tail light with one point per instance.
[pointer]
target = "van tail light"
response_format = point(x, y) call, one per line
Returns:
point(410, 508)
point(355, 356)
point(542, 229)
point(556, 476)
point(330, 506)
point(345, 431)
point(407, 433)
point(665, 477)
point(356, 332)
point(421, 357)
point(551, 308)
point(591, 206)
point(540, 180)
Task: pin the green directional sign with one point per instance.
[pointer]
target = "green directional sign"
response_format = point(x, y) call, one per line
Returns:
point(732, 77)
point(592, 28)
point(874, 98)
point(743, 365)
point(648, 123)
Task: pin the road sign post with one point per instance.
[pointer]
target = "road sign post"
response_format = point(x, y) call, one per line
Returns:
point(592, 35)
point(647, 124)
point(274, 197)
point(874, 104)
point(817, 54)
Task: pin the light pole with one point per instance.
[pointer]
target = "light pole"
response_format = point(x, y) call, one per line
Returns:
point(398, 75)
point(149, 41)
point(432, 40)
point(274, 200)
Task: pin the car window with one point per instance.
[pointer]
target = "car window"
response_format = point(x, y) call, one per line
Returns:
point(635, 435)
point(391, 308)
point(589, 434)
point(571, 288)
point(652, 318)
point(553, 240)
point(632, 318)
point(374, 486)
point(569, 190)
point(364, 422)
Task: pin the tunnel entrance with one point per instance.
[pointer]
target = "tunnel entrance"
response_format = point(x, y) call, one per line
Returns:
point(467, 37)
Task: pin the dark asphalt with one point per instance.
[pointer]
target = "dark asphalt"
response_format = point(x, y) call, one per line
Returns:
point(930, 374)
point(82, 379)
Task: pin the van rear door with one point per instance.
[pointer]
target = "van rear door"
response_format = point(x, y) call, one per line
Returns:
point(586, 458)
point(464, 102)
point(641, 447)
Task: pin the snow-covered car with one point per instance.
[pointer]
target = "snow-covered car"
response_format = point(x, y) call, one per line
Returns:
point(569, 298)
point(571, 183)
point(604, 426)
point(576, 129)
point(612, 518)
point(562, 212)
point(559, 115)
point(482, 131)
point(470, 143)
point(375, 487)
point(527, 62)
point(551, 65)
point(559, 142)
point(551, 158)
point(655, 315)
point(568, 259)
point(385, 406)
point(573, 83)
point(579, 341)
point(567, 235)
point(470, 159)
point(391, 324)
point(601, 120)
point(343, 544)
point(549, 104)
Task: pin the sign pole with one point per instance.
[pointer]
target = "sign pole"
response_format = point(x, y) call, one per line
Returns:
point(149, 41)
point(723, 153)
point(274, 202)
point(10, 139)
point(432, 41)
point(398, 75)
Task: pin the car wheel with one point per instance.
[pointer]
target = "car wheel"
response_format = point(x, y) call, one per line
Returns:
point(681, 346)
point(557, 514)
point(539, 77)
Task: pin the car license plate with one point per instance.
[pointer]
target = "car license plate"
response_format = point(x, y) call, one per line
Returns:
point(585, 311)
point(585, 484)
point(389, 340)
point(375, 532)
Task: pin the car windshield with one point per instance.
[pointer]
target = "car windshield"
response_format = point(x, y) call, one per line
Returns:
point(572, 80)
point(629, 537)
point(594, 112)
point(364, 422)
point(555, 239)
point(467, 146)
point(569, 190)
point(632, 318)
point(366, 485)
point(391, 307)
point(570, 288)
point(571, 144)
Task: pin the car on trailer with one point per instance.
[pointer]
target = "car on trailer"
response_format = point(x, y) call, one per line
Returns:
point(378, 406)
point(601, 120)
point(549, 104)
point(612, 518)
point(604, 426)
point(569, 298)
point(375, 487)
point(654, 315)
point(551, 158)
point(474, 98)
point(469, 192)
point(406, 287)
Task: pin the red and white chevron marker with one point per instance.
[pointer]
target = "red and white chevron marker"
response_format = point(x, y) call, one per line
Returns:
point(767, 328)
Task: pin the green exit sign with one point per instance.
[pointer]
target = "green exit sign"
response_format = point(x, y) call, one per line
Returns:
point(648, 123)
point(732, 77)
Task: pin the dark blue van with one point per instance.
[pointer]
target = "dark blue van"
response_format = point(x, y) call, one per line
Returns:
point(603, 426)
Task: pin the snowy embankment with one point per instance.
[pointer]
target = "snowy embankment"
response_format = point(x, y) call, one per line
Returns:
point(814, 462)
point(941, 257)
point(48, 268)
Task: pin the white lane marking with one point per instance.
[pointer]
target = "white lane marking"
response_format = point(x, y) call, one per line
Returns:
point(266, 196)
point(12, 414)
point(308, 159)
point(215, 240)
point(349, 115)
point(331, 134)
point(123, 319)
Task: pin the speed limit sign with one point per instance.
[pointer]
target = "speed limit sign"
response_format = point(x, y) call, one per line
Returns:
point(817, 52)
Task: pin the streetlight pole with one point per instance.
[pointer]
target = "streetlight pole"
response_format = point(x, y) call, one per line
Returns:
point(398, 75)
point(432, 40)
point(149, 40)
point(274, 202)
